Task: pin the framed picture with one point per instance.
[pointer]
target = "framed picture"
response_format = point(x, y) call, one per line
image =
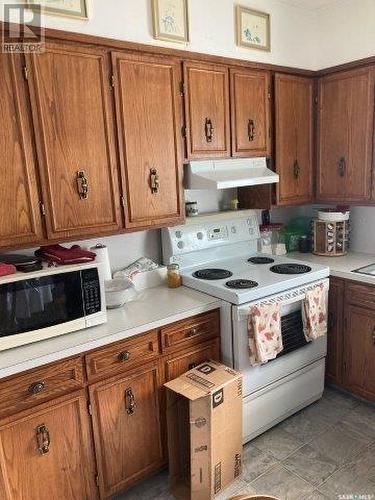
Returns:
point(253, 29)
point(170, 18)
point(68, 8)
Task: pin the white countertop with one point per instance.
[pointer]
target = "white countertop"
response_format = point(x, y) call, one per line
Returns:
point(153, 308)
point(342, 267)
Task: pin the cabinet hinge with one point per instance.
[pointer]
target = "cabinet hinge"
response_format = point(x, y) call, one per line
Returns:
point(89, 408)
point(269, 132)
point(122, 200)
point(182, 89)
point(112, 80)
point(97, 480)
point(25, 72)
point(42, 208)
point(183, 130)
point(269, 95)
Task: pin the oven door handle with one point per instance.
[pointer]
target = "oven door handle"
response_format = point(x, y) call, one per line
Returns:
point(244, 312)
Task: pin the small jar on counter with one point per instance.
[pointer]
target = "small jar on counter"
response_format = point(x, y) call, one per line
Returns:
point(173, 276)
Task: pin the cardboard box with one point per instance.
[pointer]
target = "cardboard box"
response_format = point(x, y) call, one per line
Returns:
point(204, 415)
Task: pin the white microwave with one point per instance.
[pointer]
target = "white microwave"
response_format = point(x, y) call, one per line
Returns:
point(50, 302)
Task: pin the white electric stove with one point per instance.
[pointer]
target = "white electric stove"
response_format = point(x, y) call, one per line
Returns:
point(218, 256)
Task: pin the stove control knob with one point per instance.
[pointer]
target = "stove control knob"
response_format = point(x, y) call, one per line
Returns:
point(178, 234)
point(180, 244)
point(200, 235)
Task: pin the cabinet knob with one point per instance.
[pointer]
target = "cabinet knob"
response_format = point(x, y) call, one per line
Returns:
point(130, 404)
point(37, 387)
point(123, 356)
point(193, 332)
point(251, 130)
point(342, 167)
point(43, 439)
point(82, 185)
point(208, 130)
point(154, 181)
point(296, 169)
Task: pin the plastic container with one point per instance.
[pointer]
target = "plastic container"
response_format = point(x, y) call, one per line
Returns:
point(119, 291)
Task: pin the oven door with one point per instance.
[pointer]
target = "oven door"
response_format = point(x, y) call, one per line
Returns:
point(297, 352)
point(36, 308)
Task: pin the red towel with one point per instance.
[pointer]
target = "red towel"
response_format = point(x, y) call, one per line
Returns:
point(6, 269)
point(62, 255)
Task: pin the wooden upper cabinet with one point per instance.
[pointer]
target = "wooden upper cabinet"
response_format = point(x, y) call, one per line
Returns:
point(46, 452)
point(294, 139)
point(73, 121)
point(250, 112)
point(359, 351)
point(346, 109)
point(19, 201)
point(149, 122)
point(207, 110)
point(127, 432)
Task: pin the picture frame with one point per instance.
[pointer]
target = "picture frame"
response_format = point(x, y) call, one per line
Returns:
point(170, 20)
point(76, 9)
point(253, 29)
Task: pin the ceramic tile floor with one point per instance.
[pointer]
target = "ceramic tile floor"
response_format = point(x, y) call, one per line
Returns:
point(326, 451)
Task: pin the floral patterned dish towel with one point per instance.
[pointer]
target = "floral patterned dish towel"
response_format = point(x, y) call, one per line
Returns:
point(314, 312)
point(264, 333)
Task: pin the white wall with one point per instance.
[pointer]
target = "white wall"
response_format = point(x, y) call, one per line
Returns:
point(212, 27)
point(345, 32)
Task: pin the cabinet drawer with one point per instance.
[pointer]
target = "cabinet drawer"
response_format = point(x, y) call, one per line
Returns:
point(190, 331)
point(360, 294)
point(122, 355)
point(42, 384)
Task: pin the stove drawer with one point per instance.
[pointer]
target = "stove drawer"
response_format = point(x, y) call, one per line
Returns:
point(190, 331)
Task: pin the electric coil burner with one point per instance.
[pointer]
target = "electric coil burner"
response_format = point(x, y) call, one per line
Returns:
point(292, 268)
point(212, 274)
point(260, 260)
point(241, 284)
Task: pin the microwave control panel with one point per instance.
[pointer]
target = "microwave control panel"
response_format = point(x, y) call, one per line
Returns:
point(91, 291)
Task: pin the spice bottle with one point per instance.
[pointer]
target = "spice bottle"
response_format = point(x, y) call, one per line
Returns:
point(173, 276)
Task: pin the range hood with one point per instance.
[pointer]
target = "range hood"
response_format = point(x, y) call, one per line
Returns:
point(231, 173)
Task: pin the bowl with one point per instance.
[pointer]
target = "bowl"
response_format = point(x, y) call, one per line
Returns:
point(119, 291)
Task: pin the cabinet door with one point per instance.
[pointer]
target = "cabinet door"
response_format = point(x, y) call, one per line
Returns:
point(346, 109)
point(182, 362)
point(250, 114)
point(359, 351)
point(207, 110)
point(127, 428)
point(294, 139)
point(149, 122)
point(73, 119)
point(19, 202)
point(62, 467)
point(335, 331)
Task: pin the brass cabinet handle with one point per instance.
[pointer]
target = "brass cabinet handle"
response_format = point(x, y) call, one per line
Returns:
point(37, 387)
point(123, 356)
point(154, 181)
point(373, 336)
point(331, 321)
point(251, 130)
point(342, 167)
point(208, 130)
point(82, 185)
point(130, 404)
point(296, 169)
point(43, 439)
point(193, 332)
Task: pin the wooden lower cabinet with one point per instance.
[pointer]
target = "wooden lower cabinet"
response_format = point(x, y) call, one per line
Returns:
point(127, 432)
point(335, 326)
point(67, 433)
point(359, 351)
point(46, 452)
point(351, 337)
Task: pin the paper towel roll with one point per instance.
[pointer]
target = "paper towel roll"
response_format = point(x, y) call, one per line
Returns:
point(102, 258)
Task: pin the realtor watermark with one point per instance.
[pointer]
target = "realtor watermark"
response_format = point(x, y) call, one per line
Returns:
point(356, 496)
point(22, 31)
